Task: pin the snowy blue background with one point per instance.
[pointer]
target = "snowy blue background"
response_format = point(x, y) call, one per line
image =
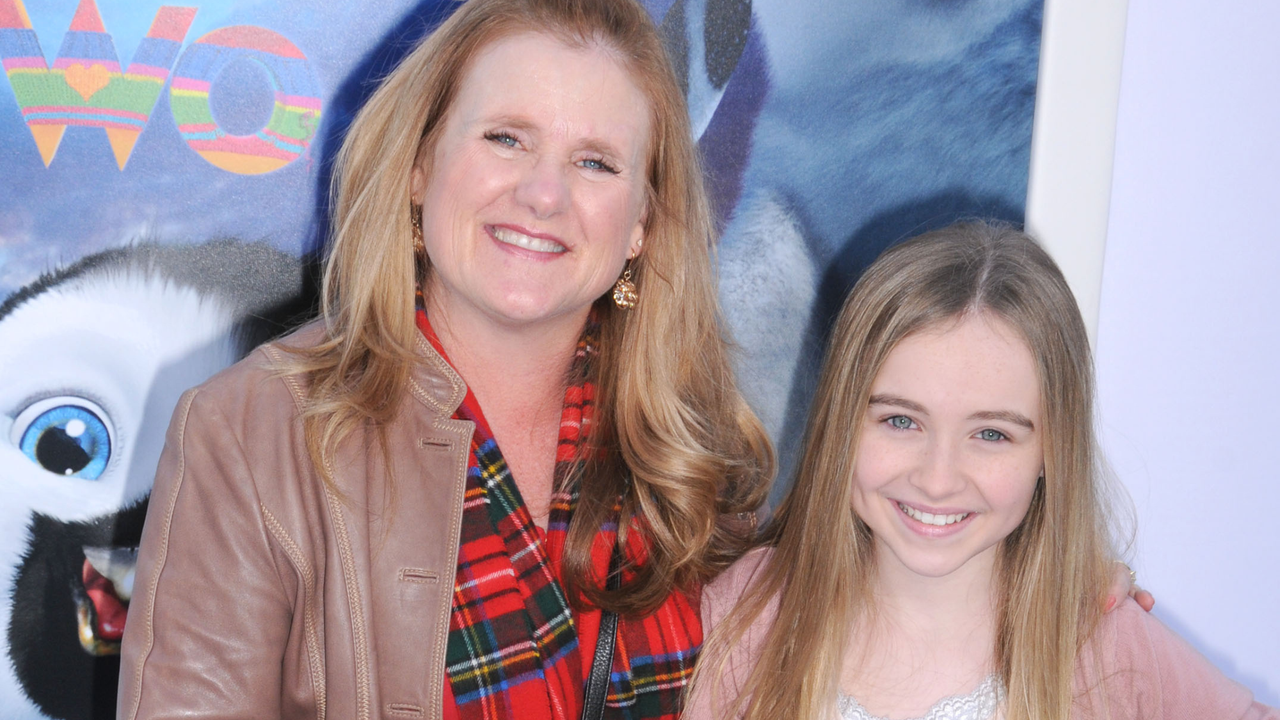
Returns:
point(869, 109)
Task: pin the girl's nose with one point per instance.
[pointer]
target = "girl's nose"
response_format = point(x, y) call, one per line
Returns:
point(939, 475)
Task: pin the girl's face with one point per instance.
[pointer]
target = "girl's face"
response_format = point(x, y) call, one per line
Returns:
point(951, 447)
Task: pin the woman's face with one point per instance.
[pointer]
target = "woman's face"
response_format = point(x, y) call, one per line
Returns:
point(951, 447)
point(536, 195)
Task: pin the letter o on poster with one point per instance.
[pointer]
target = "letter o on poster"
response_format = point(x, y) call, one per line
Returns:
point(295, 115)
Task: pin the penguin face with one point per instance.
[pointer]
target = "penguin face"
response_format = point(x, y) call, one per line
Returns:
point(94, 361)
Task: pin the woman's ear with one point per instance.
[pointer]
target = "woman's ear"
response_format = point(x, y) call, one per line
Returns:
point(637, 234)
point(417, 184)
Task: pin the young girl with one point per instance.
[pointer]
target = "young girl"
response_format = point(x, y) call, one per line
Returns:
point(945, 546)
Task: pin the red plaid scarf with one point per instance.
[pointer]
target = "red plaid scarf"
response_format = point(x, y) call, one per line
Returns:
point(515, 649)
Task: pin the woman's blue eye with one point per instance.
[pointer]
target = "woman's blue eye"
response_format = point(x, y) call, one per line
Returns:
point(901, 422)
point(991, 435)
point(501, 138)
point(598, 164)
point(67, 436)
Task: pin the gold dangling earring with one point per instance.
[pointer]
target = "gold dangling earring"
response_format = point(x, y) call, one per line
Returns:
point(415, 221)
point(624, 291)
point(419, 253)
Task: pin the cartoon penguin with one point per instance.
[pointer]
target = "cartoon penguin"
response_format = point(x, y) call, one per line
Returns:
point(94, 358)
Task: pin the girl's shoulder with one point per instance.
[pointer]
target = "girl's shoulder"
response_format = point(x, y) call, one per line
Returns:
point(1147, 670)
point(720, 682)
point(721, 594)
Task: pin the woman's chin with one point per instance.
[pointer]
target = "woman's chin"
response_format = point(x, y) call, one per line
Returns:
point(530, 312)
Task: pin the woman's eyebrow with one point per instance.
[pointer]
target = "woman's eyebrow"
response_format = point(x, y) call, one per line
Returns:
point(515, 122)
point(1005, 415)
point(601, 147)
point(896, 401)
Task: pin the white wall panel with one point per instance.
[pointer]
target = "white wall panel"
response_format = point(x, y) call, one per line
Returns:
point(1189, 332)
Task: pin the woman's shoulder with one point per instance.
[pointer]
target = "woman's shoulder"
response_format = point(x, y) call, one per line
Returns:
point(1149, 671)
point(264, 375)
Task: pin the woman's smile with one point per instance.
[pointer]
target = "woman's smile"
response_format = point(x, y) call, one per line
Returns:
point(526, 240)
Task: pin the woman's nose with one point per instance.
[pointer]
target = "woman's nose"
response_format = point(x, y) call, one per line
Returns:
point(544, 188)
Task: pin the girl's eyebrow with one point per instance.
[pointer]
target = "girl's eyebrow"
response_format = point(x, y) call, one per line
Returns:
point(896, 401)
point(1005, 415)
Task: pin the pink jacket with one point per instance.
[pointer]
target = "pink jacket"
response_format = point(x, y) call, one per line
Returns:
point(1151, 673)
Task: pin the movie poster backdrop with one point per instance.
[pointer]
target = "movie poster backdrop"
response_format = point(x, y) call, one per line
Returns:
point(163, 177)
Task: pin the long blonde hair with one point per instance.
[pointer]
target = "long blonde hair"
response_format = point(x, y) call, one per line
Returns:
point(672, 436)
point(1052, 568)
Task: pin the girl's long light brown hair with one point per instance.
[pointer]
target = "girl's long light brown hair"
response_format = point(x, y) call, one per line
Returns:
point(1052, 569)
point(673, 437)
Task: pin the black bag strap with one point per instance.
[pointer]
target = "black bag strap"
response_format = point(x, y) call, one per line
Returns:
point(602, 663)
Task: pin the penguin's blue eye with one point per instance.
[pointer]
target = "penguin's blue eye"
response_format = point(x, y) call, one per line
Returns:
point(65, 435)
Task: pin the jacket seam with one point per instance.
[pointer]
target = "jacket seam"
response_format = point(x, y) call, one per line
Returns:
point(442, 369)
point(149, 613)
point(354, 602)
point(455, 539)
point(290, 381)
point(314, 657)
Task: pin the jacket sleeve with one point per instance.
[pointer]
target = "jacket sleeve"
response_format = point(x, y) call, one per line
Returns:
point(1152, 673)
point(210, 616)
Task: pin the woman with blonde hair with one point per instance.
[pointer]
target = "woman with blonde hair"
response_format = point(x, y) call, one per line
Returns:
point(945, 546)
point(518, 387)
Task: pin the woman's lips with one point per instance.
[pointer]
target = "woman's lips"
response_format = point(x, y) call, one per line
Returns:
point(525, 241)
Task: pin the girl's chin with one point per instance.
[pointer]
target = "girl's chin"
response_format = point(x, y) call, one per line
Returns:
point(937, 563)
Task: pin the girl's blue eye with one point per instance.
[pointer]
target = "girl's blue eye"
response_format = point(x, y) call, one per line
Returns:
point(66, 436)
point(901, 422)
point(991, 435)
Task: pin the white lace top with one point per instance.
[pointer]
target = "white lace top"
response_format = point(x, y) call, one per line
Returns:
point(978, 705)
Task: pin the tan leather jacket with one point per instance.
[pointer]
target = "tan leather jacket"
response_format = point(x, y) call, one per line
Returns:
point(260, 593)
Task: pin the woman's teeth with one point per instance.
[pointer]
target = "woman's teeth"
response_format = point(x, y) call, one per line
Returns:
point(520, 240)
point(930, 518)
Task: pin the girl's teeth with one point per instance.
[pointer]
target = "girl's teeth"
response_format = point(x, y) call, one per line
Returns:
point(931, 519)
point(511, 237)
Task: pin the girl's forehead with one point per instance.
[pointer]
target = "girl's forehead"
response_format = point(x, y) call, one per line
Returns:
point(978, 359)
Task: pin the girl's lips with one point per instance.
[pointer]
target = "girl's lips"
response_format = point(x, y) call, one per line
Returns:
point(933, 522)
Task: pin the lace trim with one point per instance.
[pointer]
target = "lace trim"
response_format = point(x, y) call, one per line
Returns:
point(978, 705)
